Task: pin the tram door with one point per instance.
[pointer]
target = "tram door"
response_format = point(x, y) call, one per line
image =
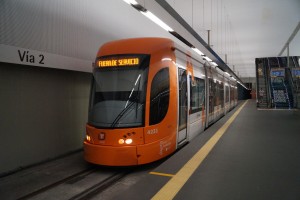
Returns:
point(183, 105)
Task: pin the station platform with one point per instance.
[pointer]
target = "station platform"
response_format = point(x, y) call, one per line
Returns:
point(247, 154)
point(257, 157)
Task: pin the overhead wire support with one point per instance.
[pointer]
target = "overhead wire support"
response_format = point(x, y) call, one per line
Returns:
point(290, 39)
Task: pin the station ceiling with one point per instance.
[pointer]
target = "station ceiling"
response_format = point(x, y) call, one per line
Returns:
point(241, 29)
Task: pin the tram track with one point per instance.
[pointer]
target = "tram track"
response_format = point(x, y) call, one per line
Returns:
point(87, 191)
point(71, 179)
point(55, 184)
point(99, 187)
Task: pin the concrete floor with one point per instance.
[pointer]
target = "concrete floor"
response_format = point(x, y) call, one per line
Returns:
point(256, 158)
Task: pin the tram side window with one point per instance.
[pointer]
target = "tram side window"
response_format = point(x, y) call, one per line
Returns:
point(217, 94)
point(221, 97)
point(231, 93)
point(159, 96)
point(227, 94)
point(212, 91)
point(197, 92)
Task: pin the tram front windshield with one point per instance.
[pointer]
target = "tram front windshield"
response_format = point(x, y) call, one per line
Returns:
point(118, 95)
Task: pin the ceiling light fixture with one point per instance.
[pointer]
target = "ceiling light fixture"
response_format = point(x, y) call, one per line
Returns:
point(197, 51)
point(132, 2)
point(207, 58)
point(155, 19)
point(214, 64)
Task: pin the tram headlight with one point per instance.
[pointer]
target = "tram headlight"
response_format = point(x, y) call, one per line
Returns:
point(121, 141)
point(128, 141)
point(88, 138)
point(125, 141)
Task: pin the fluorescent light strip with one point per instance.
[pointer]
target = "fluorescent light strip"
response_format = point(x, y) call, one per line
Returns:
point(162, 24)
point(207, 58)
point(131, 2)
point(155, 19)
point(214, 64)
point(198, 51)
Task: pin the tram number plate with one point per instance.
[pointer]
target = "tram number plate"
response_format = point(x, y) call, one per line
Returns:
point(152, 131)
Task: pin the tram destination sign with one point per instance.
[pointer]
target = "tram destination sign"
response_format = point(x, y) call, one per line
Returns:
point(118, 62)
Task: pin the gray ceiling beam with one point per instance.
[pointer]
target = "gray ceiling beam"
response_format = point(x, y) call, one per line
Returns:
point(290, 39)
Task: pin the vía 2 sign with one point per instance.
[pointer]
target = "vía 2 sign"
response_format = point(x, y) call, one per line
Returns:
point(28, 57)
point(19, 55)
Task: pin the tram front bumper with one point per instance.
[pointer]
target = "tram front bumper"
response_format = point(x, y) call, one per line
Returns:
point(129, 155)
point(109, 155)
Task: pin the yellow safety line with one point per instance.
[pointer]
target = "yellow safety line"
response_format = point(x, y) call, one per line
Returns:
point(161, 174)
point(172, 187)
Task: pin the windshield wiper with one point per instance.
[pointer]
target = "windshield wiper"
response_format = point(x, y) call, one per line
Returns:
point(137, 97)
point(120, 115)
point(134, 100)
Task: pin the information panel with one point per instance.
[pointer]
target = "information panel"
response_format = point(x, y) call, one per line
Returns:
point(277, 72)
point(296, 72)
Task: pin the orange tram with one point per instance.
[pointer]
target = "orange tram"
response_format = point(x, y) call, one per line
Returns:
point(149, 96)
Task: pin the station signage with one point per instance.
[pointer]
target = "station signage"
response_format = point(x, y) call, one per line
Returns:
point(277, 72)
point(31, 57)
point(118, 62)
point(296, 72)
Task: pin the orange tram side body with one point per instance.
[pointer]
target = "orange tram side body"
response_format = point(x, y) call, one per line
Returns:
point(149, 96)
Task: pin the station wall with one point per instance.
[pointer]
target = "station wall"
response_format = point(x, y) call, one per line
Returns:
point(43, 113)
